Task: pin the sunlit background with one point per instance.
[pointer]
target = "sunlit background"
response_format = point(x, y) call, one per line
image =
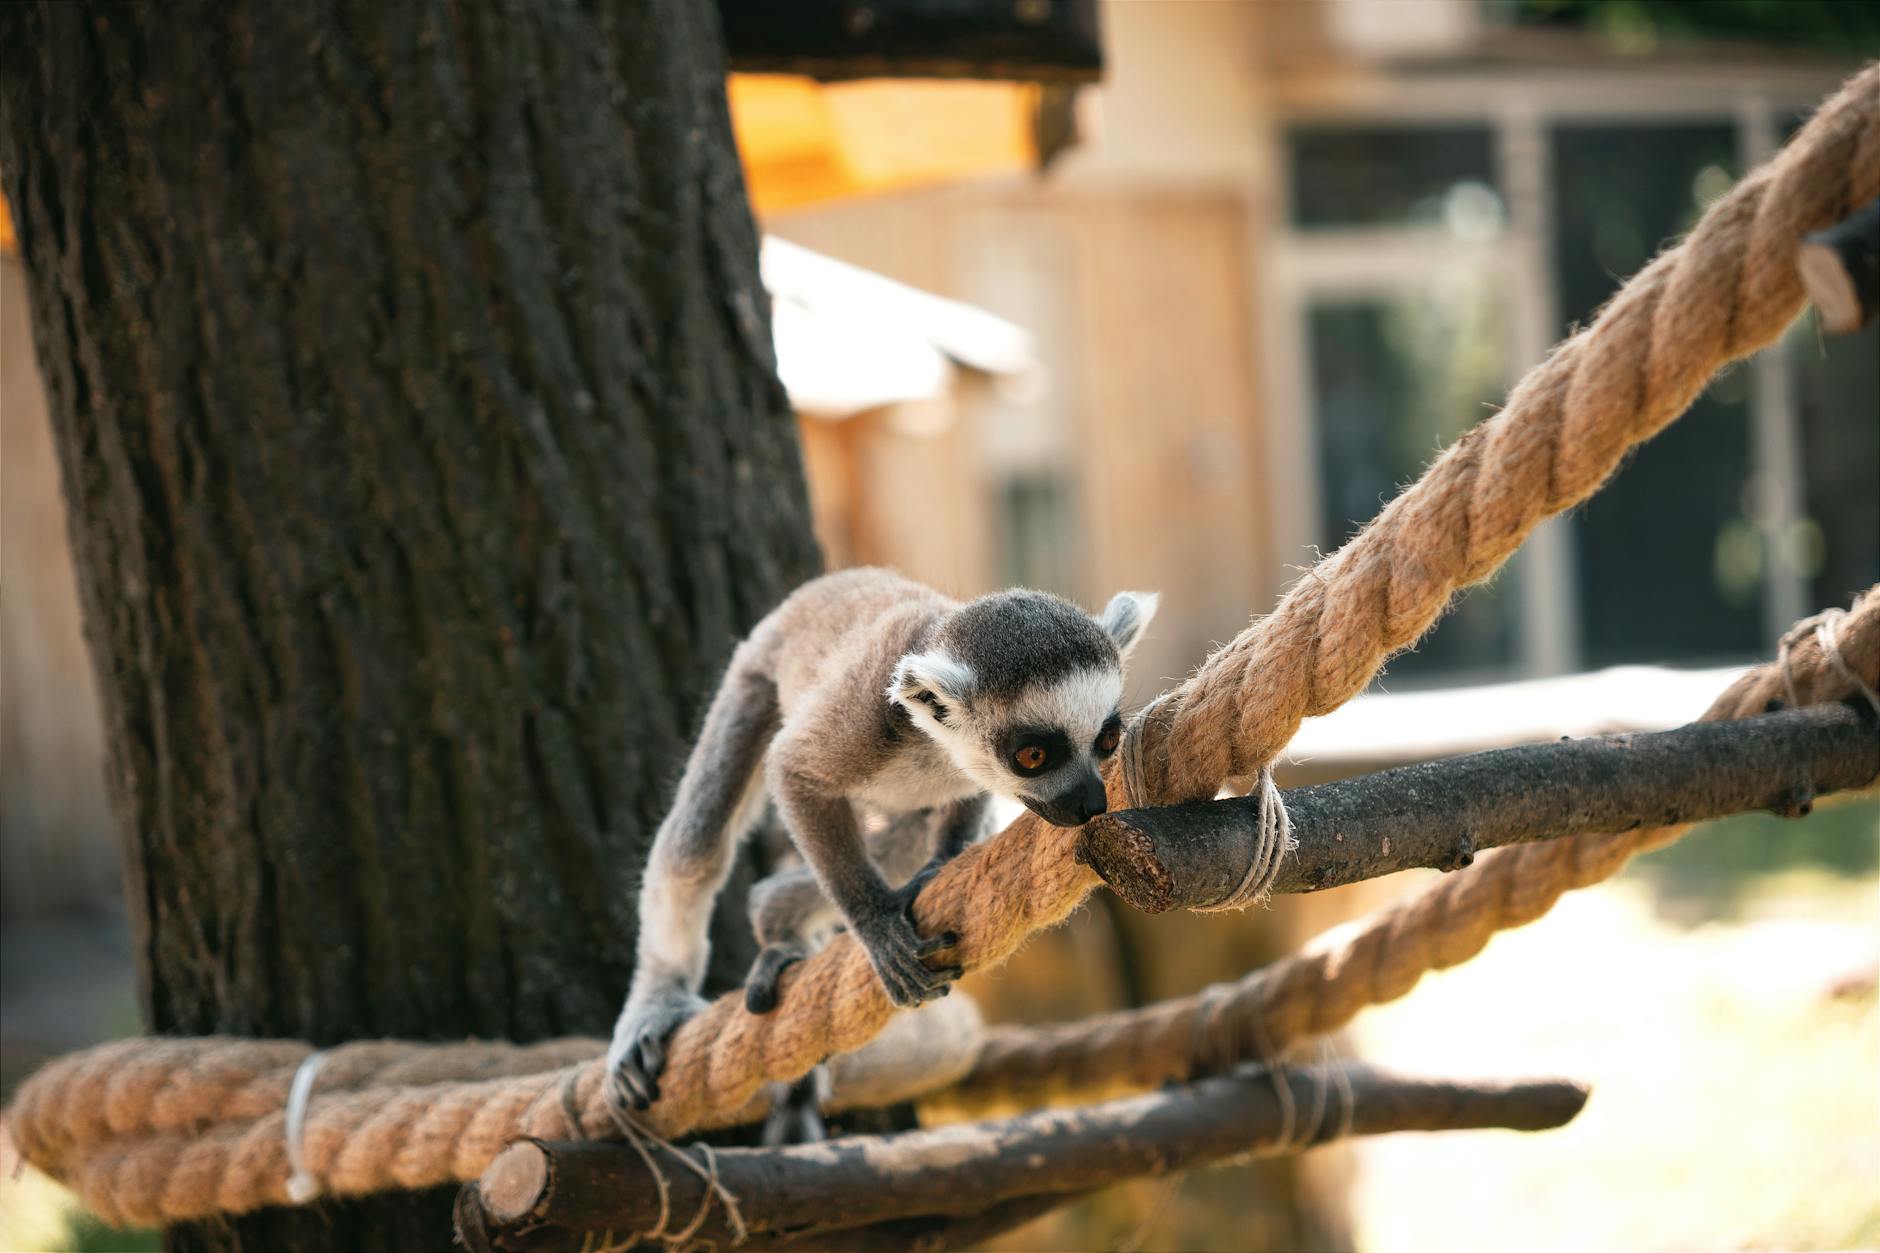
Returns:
point(1286, 252)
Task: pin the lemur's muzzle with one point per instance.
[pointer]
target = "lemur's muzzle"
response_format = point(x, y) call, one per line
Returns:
point(1076, 804)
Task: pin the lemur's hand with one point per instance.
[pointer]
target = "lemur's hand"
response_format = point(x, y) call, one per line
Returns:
point(896, 949)
point(760, 985)
point(638, 1053)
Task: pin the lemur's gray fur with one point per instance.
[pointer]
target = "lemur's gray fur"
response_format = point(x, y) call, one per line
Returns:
point(865, 692)
point(792, 919)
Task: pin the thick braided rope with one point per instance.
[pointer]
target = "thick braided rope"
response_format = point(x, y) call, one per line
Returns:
point(151, 1131)
point(1728, 289)
point(1382, 957)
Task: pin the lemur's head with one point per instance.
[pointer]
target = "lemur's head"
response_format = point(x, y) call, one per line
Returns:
point(1022, 690)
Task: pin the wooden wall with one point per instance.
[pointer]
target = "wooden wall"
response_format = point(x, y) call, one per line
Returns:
point(1139, 300)
point(60, 845)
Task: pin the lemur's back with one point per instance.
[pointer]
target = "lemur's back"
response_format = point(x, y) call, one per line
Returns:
point(869, 618)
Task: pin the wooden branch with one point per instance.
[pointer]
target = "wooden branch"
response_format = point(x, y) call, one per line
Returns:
point(840, 1193)
point(1840, 269)
point(1029, 40)
point(1440, 813)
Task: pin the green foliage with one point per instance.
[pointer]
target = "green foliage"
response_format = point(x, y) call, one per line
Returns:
point(86, 1234)
point(1845, 26)
point(1711, 871)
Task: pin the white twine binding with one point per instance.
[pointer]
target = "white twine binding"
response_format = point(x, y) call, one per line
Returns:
point(1274, 841)
point(644, 1140)
point(1828, 632)
point(1826, 626)
point(302, 1185)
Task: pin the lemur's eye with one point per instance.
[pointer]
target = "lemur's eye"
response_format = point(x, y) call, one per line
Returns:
point(1030, 759)
point(1109, 738)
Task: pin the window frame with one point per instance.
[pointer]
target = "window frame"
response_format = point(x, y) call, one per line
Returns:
point(1303, 265)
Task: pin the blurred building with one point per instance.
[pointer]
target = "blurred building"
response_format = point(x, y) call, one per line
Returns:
point(1300, 246)
point(1293, 248)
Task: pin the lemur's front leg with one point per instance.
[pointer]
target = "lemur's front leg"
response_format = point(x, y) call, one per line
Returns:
point(791, 917)
point(825, 829)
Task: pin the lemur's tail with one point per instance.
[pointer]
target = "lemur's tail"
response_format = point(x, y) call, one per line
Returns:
point(716, 805)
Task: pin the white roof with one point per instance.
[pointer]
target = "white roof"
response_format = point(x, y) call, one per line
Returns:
point(1386, 727)
point(849, 340)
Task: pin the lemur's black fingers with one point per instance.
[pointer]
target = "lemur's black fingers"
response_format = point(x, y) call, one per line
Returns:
point(635, 1085)
point(903, 995)
point(907, 988)
point(760, 986)
point(938, 943)
point(651, 1052)
point(624, 1090)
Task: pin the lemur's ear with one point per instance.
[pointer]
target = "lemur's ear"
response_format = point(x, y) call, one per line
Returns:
point(1125, 617)
point(930, 685)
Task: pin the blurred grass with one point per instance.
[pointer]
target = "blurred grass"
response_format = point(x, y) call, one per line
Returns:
point(37, 1215)
point(1735, 1067)
point(1715, 870)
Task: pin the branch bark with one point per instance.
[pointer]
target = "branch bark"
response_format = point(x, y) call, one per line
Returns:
point(1440, 813)
point(540, 1195)
point(1840, 268)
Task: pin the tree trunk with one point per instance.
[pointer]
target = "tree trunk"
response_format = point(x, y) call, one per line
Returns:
point(413, 391)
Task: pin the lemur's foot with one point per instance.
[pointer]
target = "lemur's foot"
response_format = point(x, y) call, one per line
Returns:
point(896, 949)
point(760, 986)
point(638, 1052)
point(795, 1115)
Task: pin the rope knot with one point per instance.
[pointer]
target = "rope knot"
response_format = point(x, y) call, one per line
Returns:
point(1270, 846)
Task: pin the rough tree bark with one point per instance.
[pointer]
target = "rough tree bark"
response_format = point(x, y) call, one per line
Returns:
point(417, 416)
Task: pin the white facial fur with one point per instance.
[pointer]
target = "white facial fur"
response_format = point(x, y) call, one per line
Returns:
point(972, 729)
point(1078, 706)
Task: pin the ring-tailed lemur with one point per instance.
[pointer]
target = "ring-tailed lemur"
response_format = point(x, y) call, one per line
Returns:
point(868, 690)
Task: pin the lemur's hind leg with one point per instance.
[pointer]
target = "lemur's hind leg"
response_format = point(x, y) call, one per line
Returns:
point(795, 1115)
point(793, 918)
point(720, 797)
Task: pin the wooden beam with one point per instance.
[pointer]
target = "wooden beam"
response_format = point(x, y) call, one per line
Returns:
point(1840, 267)
point(1440, 813)
point(1053, 41)
point(840, 1193)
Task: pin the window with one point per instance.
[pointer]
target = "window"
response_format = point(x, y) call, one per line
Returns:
point(1395, 379)
point(1669, 554)
point(1833, 539)
point(1429, 264)
point(1033, 524)
point(1371, 175)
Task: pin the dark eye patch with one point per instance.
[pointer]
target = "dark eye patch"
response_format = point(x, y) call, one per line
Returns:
point(1109, 737)
point(1021, 745)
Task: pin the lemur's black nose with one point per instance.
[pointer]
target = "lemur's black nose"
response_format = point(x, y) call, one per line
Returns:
point(1091, 798)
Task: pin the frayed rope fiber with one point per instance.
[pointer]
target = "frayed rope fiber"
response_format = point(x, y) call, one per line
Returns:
point(1728, 289)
